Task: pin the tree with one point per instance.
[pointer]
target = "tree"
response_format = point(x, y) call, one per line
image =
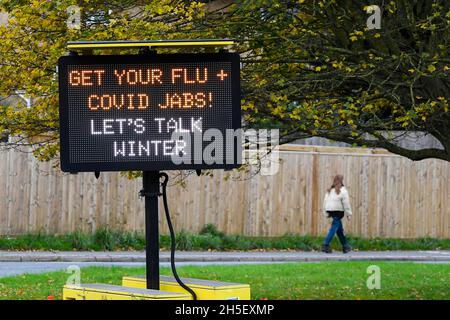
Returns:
point(313, 68)
point(310, 68)
point(36, 35)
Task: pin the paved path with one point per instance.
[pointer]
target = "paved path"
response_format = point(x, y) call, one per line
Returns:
point(192, 256)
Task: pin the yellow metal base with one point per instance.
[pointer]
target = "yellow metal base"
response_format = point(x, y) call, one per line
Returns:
point(111, 292)
point(204, 289)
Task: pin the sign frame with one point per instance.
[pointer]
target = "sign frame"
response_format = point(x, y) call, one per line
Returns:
point(65, 61)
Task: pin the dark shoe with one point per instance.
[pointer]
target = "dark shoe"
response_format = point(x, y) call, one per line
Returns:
point(326, 249)
point(346, 249)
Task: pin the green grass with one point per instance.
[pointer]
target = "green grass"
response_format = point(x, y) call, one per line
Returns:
point(327, 280)
point(208, 239)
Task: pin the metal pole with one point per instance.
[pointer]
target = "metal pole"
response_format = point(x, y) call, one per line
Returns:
point(151, 190)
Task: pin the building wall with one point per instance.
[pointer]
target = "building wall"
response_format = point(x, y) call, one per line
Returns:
point(409, 140)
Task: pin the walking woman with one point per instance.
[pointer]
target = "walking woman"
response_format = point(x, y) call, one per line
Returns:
point(336, 205)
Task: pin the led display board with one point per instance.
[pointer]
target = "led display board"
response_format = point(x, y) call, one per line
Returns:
point(149, 112)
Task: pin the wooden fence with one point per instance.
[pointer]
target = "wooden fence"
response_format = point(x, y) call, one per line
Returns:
point(391, 196)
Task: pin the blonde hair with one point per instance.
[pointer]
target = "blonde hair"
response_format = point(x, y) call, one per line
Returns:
point(338, 183)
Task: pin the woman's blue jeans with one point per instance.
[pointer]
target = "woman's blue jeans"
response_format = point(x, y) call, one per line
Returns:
point(336, 227)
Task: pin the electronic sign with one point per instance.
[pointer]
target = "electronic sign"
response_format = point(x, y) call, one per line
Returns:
point(149, 112)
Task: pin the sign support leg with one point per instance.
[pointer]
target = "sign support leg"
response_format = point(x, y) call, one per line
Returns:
point(151, 192)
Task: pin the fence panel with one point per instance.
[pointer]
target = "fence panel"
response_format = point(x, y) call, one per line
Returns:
point(391, 196)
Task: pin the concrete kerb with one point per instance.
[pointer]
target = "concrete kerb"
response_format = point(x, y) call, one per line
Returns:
point(33, 256)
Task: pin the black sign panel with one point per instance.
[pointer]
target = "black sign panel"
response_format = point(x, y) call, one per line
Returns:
point(149, 112)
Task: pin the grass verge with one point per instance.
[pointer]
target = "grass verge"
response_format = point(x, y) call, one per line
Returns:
point(208, 239)
point(326, 280)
